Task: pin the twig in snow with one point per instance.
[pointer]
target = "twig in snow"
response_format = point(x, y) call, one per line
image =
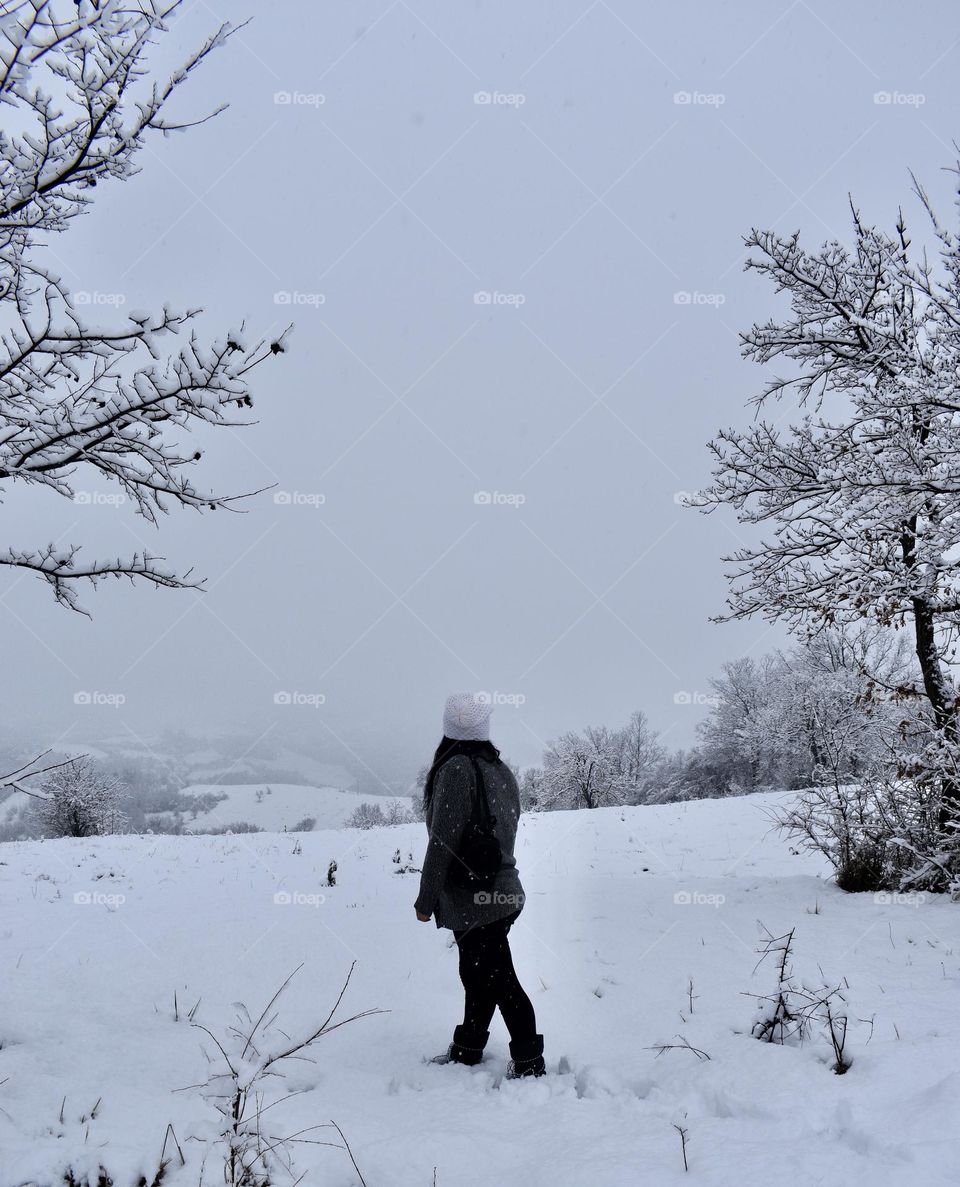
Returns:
point(349, 1151)
point(171, 1133)
point(683, 1144)
point(683, 1045)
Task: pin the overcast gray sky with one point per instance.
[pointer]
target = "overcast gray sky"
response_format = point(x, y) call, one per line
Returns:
point(584, 163)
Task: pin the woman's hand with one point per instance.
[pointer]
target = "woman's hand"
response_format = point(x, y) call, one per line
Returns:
point(423, 918)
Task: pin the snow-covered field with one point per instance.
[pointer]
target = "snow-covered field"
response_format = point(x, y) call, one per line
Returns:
point(624, 908)
point(272, 807)
point(279, 806)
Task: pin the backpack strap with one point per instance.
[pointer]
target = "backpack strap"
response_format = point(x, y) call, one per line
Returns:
point(489, 820)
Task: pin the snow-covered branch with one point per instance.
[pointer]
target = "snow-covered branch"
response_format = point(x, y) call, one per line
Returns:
point(113, 403)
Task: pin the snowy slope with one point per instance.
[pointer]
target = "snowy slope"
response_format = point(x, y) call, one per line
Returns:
point(285, 805)
point(215, 758)
point(625, 906)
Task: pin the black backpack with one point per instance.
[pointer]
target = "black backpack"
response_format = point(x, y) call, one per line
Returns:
point(477, 861)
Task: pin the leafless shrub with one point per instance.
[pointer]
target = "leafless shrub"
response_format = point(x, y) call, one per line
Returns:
point(253, 1052)
point(366, 816)
point(878, 834)
point(793, 1011)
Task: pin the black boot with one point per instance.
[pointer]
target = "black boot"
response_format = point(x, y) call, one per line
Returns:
point(526, 1059)
point(467, 1047)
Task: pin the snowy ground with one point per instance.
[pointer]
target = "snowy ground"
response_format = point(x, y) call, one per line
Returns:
point(624, 906)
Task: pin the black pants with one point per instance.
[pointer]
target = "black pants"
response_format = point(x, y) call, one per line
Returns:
point(490, 981)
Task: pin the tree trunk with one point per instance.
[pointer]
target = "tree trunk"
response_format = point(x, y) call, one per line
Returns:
point(942, 701)
point(939, 691)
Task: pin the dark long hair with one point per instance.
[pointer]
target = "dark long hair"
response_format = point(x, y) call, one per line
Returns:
point(449, 748)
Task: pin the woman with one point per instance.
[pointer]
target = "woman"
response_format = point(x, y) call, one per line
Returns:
point(466, 766)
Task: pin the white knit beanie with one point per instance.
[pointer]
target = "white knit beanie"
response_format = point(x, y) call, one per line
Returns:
point(466, 717)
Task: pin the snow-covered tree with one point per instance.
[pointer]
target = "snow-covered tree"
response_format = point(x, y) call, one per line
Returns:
point(638, 758)
point(579, 770)
point(77, 800)
point(112, 401)
point(740, 735)
point(789, 719)
point(598, 767)
point(859, 493)
point(679, 777)
point(834, 725)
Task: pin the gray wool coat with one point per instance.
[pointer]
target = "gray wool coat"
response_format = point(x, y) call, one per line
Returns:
point(451, 805)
